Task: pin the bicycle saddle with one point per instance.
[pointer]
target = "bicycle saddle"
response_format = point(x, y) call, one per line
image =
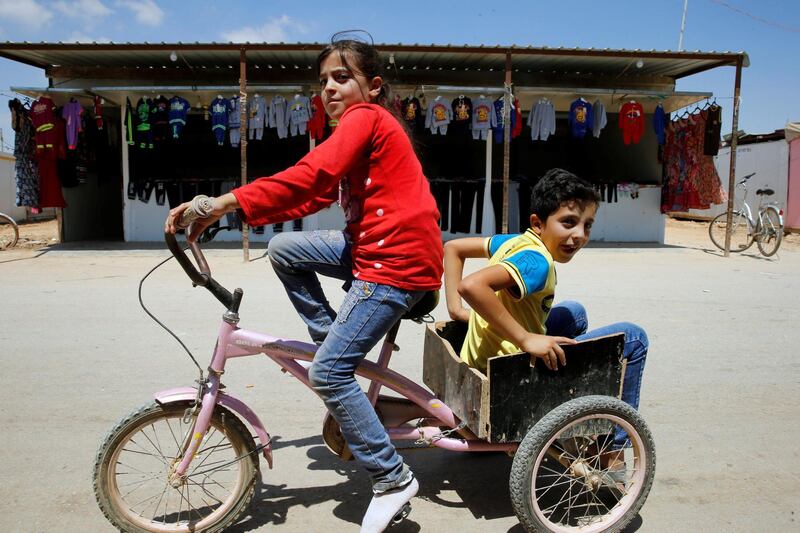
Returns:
point(425, 305)
point(765, 192)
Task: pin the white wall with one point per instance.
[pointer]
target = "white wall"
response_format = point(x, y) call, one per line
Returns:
point(770, 160)
point(627, 220)
point(8, 188)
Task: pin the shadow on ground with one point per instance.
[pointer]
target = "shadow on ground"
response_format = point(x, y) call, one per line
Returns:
point(448, 479)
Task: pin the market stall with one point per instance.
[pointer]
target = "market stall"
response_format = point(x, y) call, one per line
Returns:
point(487, 122)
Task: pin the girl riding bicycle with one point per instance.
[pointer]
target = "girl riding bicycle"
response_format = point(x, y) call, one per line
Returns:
point(389, 255)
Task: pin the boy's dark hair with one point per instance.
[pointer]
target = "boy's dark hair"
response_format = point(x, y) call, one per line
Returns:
point(558, 187)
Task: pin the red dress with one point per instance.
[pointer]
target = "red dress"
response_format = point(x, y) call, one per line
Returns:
point(50, 139)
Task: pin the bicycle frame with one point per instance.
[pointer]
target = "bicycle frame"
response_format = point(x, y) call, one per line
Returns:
point(232, 342)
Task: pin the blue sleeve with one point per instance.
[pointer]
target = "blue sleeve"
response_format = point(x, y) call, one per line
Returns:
point(496, 241)
point(532, 269)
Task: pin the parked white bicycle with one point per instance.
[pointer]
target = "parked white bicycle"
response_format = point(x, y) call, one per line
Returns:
point(766, 230)
point(9, 232)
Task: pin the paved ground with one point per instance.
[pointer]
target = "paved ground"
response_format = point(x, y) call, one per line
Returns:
point(721, 389)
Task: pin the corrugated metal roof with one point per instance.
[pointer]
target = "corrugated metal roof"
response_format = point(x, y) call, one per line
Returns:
point(55, 57)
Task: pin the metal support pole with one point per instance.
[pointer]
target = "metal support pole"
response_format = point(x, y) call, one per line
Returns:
point(734, 142)
point(243, 141)
point(506, 140)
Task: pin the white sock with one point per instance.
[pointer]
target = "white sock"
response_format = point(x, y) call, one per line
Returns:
point(384, 506)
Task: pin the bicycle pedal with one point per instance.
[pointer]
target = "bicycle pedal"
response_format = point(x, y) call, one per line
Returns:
point(402, 514)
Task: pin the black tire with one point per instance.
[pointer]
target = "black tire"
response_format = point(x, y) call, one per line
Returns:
point(113, 457)
point(769, 238)
point(9, 232)
point(528, 485)
point(741, 231)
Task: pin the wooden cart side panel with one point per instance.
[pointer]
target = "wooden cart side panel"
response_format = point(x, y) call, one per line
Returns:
point(463, 389)
point(519, 394)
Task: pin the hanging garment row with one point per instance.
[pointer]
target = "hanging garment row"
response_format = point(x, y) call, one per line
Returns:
point(691, 180)
point(153, 121)
point(58, 147)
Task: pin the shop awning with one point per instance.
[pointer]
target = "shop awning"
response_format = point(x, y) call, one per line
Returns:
point(532, 66)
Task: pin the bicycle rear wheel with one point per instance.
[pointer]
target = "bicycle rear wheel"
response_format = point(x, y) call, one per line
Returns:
point(741, 231)
point(9, 232)
point(133, 466)
point(769, 238)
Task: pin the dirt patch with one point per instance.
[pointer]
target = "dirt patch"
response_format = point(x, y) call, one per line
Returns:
point(38, 234)
point(694, 234)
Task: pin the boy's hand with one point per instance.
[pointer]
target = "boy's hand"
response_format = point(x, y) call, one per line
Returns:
point(547, 349)
point(461, 314)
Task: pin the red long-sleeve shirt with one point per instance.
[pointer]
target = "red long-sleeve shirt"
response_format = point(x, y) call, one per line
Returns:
point(368, 163)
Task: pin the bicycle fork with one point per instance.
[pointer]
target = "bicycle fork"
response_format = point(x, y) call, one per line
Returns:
point(208, 390)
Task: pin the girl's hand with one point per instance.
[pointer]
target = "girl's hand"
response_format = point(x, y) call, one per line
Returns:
point(220, 206)
point(547, 349)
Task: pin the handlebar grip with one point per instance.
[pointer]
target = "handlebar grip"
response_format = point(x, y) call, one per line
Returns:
point(200, 207)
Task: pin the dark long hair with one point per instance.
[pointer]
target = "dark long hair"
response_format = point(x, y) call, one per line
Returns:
point(364, 60)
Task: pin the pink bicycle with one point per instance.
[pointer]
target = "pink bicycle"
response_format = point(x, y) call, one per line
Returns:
point(187, 462)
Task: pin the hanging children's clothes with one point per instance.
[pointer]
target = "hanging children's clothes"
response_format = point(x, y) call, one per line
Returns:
point(25, 169)
point(144, 132)
point(160, 116)
point(98, 112)
point(72, 113)
point(178, 110)
point(542, 120)
point(439, 116)
point(279, 116)
point(219, 118)
point(234, 121)
point(129, 122)
point(631, 122)
point(412, 113)
point(316, 126)
point(483, 118)
point(257, 114)
point(712, 130)
point(516, 119)
point(462, 115)
point(299, 114)
point(49, 147)
point(580, 118)
point(659, 123)
point(43, 116)
point(691, 179)
point(397, 105)
point(516, 125)
point(599, 118)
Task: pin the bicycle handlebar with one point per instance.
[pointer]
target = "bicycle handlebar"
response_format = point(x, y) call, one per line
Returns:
point(200, 208)
point(745, 178)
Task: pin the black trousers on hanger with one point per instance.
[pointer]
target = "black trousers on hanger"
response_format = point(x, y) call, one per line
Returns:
point(440, 189)
point(463, 198)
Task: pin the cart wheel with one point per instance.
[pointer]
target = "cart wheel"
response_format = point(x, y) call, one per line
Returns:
point(334, 440)
point(566, 476)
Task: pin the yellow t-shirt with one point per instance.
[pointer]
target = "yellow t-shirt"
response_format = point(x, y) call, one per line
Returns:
point(531, 266)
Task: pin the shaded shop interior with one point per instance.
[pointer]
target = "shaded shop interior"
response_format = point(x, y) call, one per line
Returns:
point(482, 184)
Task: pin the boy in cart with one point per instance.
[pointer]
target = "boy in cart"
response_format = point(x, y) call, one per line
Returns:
point(512, 298)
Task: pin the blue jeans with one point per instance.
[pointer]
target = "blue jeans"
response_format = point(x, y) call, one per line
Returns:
point(568, 319)
point(368, 312)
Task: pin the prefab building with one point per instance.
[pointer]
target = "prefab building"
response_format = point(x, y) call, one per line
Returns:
point(482, 185)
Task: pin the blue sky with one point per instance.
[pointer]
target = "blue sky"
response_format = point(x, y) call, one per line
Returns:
point(768, 30)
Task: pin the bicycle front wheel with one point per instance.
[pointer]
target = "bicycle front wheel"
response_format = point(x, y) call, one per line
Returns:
point(770, 235)
point(741, 231)
point(133, 466)
point(9, 232)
